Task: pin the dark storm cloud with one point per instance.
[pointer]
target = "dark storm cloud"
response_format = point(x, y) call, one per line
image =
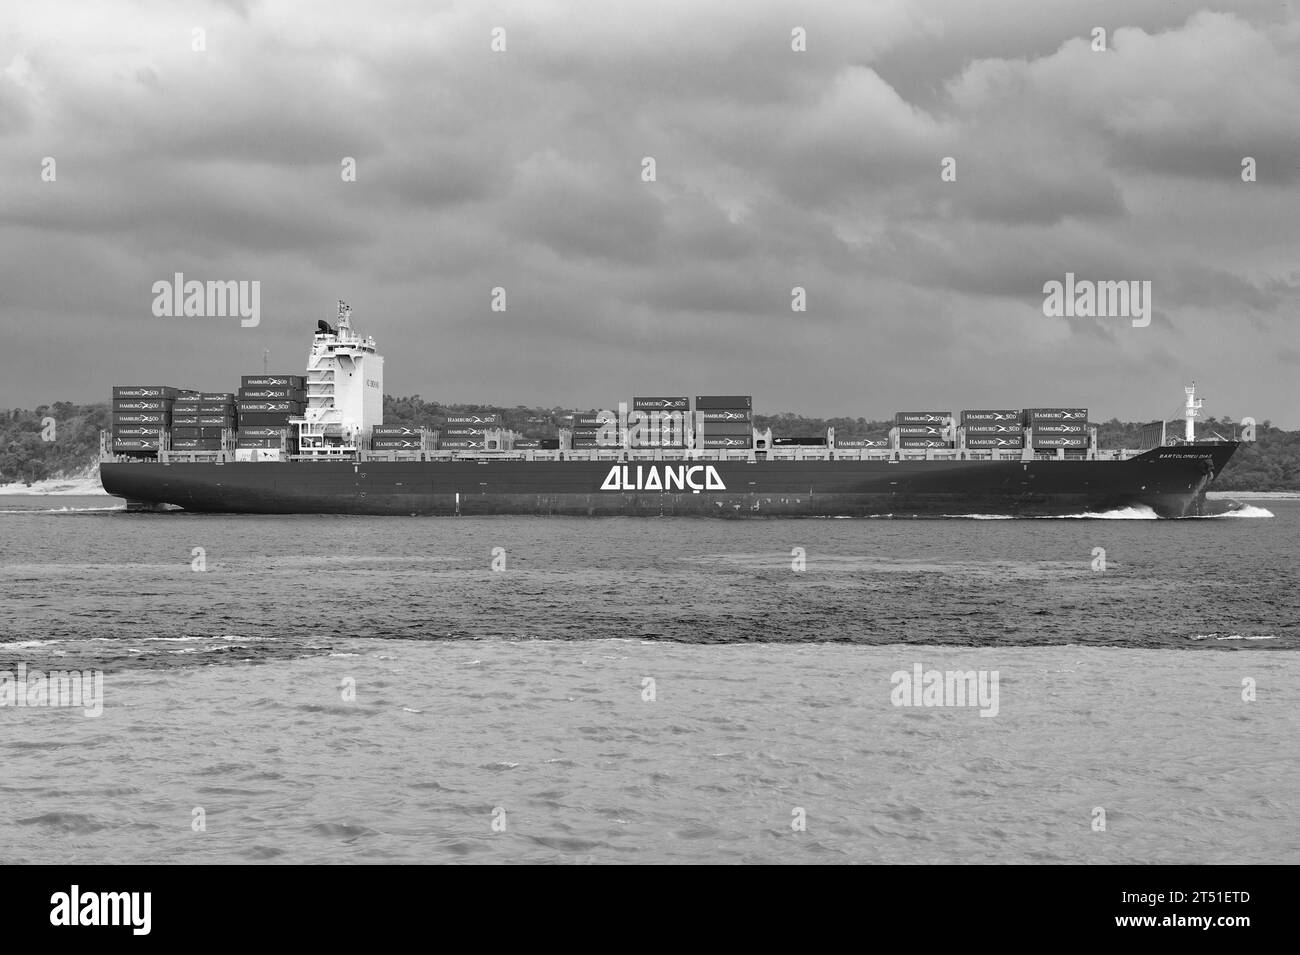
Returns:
point(774, 169)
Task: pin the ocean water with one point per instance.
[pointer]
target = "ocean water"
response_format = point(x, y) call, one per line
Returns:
point(353, 689)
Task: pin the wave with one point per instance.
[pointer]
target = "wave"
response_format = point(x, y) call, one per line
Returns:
point(1139, 512)
point(1215, 635)
point(1246, 510)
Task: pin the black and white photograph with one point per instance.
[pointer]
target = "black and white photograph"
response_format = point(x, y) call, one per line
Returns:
point(728, 432)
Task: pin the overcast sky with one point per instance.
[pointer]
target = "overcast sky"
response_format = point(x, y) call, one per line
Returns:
point(774, 169)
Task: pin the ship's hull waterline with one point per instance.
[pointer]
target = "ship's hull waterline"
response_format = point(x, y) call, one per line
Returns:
point(1171, 481)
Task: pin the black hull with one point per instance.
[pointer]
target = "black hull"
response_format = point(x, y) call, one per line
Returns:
point(1171, 481)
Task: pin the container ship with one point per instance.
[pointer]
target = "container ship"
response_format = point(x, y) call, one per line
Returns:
point(317, 444)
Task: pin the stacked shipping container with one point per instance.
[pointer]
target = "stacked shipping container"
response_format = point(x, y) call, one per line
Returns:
point(727, 422)
point(261, 437)
point(587, 427)
point(200, 418)
point(265, 404)
point(141, 413)
point(270, 400)
point(924, 430)
point(468, 432)
point(993, 430)
point(1053, 428)
point(396, 438)
point(669, 419)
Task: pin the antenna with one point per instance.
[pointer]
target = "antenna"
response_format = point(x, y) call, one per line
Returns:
point(266, 356)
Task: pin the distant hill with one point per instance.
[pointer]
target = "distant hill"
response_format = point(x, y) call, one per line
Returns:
point(1270, 463)
point(26, 456)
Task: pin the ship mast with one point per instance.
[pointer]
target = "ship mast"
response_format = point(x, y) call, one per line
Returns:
point(1193, 409)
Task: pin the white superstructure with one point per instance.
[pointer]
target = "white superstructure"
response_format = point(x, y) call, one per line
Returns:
point(345, 390)
point(1191, 412)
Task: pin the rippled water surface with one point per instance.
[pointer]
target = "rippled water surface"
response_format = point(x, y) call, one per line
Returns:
point(524, 690)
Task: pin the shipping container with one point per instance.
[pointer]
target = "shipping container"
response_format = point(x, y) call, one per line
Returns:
point(144, 391)
point(723, 402)
point(1059, 441)
point(741, 415)
point(135, 444)
point(188, 432)
point(141, 417)
point(261, 432)
point(142, 404)
point(527, 444)
point(196, 444)
point(273, 381)
point(262, 407)
point(185, 420)
point(735, 442)
point(214, 407)
point(478, 433)
point(661, 404)
point(137, 431)
point(913, 444)
point(478, 418)
point(972, 418)
point(1054, 427)
point(225, 396)
point(460, 444)
point(1055, 414)
point(921, 431)
point(216, 421)
point(262, 419)
point(593, 420)
point(242, 442)
point(394, 431)
point(986, 428)
point(803, 442)
point(185, 408)
point(728, 428)
point(394, 444)
point(978, 441)
point(849, 443)
point(548, 444)
point(923, 417)
point(273, 394)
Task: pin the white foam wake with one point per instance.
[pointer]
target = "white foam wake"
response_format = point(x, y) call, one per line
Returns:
point(1248, 510)
point(1139, 512)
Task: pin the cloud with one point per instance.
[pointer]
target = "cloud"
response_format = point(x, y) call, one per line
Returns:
point(775, 168)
